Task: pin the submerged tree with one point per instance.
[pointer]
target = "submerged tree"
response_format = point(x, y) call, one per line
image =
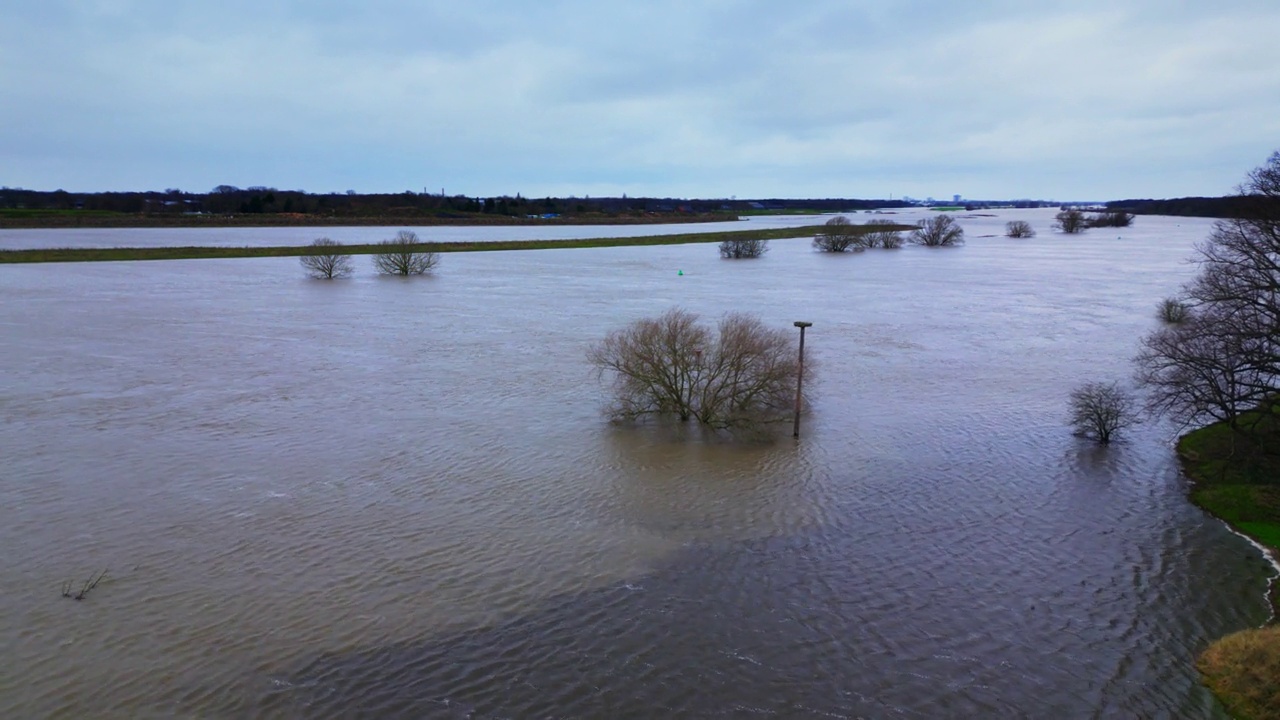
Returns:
point(1019, 229)
point(1172, 311)
point(937, 231)
point(838, 235)
point(1099, 411)
point(881, 234)
point(737, 248)
point(404, 255)
point(1071, 221)
point(740, 374)
point(325, 261)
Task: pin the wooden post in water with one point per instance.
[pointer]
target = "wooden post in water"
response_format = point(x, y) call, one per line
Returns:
point(800, 376)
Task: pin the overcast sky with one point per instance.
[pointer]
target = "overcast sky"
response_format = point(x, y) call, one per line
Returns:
point(1088, 99)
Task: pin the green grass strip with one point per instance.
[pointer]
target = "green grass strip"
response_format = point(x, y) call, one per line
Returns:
point(46, 255)
point(1236, 475)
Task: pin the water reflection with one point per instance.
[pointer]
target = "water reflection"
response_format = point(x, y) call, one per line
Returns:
point(710, 487)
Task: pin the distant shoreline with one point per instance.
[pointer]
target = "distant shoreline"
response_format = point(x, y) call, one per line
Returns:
point(62, 220)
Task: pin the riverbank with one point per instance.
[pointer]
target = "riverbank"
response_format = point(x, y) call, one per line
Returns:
point(44, 255)
point(1234, 475)
point(1234, 480)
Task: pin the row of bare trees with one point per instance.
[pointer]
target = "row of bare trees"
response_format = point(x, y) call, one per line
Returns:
point(403, 254)
point(1073, 221)
point(1217, 356)
point(1222, 357)
point(841, 235)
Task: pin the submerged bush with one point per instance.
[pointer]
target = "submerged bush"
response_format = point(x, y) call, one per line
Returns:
point(404, 255)
point(1173, 311)
point(739, 374)
point(1111, 218)
point(1071, 222)
point(325, 261)
point(1019, 229)
point(937, 231)
point(1099, 411)
point(743, 248)
point(881, 233)
point(838, 235)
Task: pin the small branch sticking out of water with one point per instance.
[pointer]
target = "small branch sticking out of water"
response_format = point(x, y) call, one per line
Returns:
point(89, 584)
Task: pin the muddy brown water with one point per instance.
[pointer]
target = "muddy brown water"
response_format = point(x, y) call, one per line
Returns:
point(386, 498)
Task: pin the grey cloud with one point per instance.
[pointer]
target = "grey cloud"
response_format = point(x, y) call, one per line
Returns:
point(1089, 99)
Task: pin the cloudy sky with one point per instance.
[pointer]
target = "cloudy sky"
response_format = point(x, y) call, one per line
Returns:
point(1088, 99)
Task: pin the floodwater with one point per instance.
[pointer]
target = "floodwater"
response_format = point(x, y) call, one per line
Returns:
point(24, 239)
point(378, 497)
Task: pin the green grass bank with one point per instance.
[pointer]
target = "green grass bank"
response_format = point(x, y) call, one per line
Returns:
point(1235, 477)
point(192, 253)
point(1236, 474)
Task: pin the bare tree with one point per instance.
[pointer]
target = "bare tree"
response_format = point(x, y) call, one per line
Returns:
point(881, 233)
point(1019, 229)
point(325, 261)
point(737, 248)
point(1100, 411)
point(1201, 371)
point(1071, 221)
point(838, 235)
point(1224, 359)
point(404, 255)
point(937, 231)
point(740, 375)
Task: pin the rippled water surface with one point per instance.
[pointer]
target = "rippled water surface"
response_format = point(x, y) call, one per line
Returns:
point(386, 498)
point(20, 239)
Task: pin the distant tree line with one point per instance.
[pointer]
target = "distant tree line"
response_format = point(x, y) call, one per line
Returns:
point(229, 199)
point(1233, 206)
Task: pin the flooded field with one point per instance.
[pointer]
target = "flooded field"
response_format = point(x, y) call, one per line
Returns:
point(23, 239)
point(378, 497)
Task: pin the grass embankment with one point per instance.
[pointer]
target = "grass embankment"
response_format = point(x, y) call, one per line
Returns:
point(1236, 480)
point(191, 253)
point(1243, 670)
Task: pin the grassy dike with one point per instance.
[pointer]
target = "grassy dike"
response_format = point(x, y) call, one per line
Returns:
point(195, 253)
point(1235, 481)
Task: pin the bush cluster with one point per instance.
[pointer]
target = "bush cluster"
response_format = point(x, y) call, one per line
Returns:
point(740, 248)
point(1072, 221)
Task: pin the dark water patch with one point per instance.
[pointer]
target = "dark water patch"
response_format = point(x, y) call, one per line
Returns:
point(830, 623)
